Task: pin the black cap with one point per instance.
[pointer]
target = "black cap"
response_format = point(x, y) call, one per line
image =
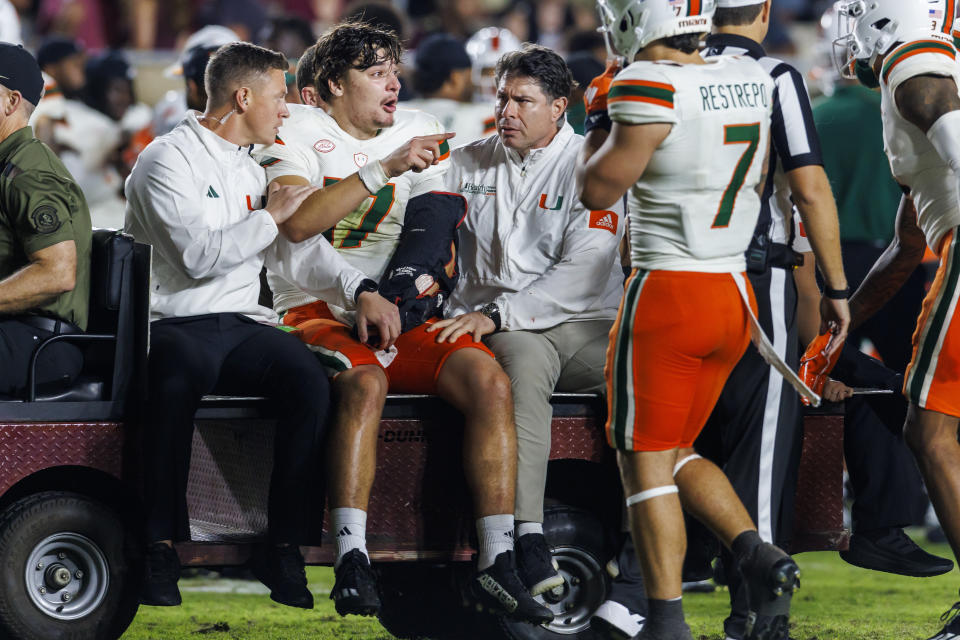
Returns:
point(584, 67)
point(440, 54)
point(56, 49)
point(20, 72)
point(195, 63)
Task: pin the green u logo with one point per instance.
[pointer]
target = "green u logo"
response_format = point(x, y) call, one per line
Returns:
point(543, 203)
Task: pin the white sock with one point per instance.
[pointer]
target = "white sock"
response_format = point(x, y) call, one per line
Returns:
point(523, 528)
point(496, 536)
point(350, 531)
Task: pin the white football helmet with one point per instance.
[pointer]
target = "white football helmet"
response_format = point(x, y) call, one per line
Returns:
point(485, 48)
point(868, 28)
point(630, 25)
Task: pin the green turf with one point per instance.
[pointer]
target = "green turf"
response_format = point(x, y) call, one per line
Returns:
point(837, 602)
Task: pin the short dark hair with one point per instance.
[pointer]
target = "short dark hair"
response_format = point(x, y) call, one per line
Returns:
point(541, 64)
point(351, 45)
point(686, 42)
point(736, 16)
point(307, 67)
point(235, 65)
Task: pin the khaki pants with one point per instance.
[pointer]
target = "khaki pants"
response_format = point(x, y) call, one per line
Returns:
point(568, 357)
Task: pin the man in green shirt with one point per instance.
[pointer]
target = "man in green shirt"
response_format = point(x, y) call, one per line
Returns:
point(45, 237)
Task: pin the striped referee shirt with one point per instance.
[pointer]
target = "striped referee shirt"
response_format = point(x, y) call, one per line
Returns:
point(793, 133)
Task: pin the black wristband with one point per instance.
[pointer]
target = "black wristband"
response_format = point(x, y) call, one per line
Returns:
point(366, 285)
point(837, 294)
point(597, 120)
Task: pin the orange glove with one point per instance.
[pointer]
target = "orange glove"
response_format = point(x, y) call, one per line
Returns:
point(595, 98)
point(816, 365)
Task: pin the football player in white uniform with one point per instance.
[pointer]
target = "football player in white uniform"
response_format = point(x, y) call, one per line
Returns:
point(687, 144)
point(348, 151)
point(908, 48)
point(485, 48)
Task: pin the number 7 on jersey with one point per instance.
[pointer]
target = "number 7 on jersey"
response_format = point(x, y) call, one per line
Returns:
point(748, 134)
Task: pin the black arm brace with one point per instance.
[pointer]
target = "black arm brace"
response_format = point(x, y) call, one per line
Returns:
point(423, 272)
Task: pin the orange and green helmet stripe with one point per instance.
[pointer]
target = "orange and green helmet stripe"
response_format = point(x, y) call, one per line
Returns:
point(911, 49)
point(657, 93)
point(444, 150)
point(693, 7)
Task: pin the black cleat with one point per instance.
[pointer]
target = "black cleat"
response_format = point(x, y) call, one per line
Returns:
point(951, 630)
point(771, 576)
point(535, 564)
point(355, 589)
point(161, 572)
point(499, 589)
point(281, 569)
point(892, 551)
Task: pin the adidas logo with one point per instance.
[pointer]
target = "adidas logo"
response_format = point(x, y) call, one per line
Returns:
point(509, 534)
point(211, 193)
point(344, 532)
point(493, 587)
point(606, 220)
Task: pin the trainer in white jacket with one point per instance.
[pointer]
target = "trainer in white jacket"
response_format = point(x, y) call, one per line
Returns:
point(198, 200)
point(540, 275)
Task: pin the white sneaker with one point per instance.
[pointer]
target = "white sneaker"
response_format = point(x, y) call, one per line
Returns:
point(616, 620)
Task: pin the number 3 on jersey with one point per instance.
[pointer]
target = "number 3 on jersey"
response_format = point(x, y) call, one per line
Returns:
point(382, 203)
point(748, 134)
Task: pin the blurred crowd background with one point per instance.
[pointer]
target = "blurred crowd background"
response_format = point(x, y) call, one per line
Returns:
point(120, 72)
point(147, 25)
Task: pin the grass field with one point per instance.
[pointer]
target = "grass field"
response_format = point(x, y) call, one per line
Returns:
point(837, 602)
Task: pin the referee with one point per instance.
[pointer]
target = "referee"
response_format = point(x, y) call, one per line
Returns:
point(755, 430)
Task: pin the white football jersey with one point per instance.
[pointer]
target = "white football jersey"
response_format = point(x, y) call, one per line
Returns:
point(914, 161)
point(695, 206)
point(468, 120)
point(312, 145)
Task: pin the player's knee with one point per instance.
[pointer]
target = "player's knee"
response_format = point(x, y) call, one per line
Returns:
point(490, 384)
point(363, 385)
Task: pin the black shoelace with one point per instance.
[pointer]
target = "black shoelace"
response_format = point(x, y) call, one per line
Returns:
point(951, 615)
point(900, 540)
point(355, 570)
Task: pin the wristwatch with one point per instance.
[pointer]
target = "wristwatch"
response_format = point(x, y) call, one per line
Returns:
point(492, 311)
point(366, 286)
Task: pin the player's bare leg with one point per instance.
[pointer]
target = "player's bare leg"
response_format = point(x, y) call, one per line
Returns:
point(360, 394)
point(707, 495)
point(656, 525)
point(351, 462)
point(475, 384)
point(932, 437)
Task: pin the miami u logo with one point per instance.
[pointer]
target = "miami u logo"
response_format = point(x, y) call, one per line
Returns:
point(543, 203)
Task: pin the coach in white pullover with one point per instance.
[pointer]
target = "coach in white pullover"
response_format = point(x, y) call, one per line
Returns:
point(540, 274)
point(196, 195)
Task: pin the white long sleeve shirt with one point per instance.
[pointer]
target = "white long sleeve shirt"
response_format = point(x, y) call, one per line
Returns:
point(198, 199)
point(527, 243)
